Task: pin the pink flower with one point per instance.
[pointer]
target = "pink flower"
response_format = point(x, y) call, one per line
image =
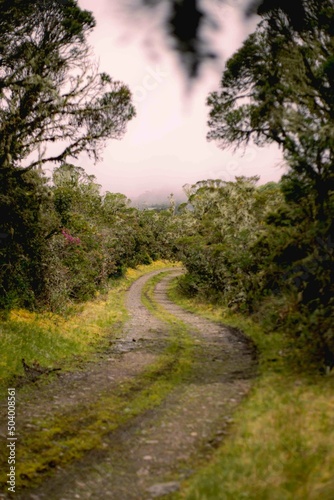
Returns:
point(69, 238)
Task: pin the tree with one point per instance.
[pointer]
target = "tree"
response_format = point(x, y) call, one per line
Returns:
point(217, 249)
point(93, 238)
point(279, 88)
point(23, 247)
point(51, 90)
point(54, 105)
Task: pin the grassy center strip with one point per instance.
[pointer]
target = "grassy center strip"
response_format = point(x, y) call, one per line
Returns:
point(64, 437)
point(181, 342)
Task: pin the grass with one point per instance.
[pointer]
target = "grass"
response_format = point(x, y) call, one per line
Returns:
point(182, 342)
point(68, 434)
point(281, 445)
point(52, 339)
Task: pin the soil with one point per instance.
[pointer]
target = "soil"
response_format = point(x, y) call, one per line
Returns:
point(151, 454)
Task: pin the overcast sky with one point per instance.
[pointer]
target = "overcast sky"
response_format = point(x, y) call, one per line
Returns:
point(165, 145)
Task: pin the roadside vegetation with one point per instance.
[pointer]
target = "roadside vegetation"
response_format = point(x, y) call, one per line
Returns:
point(61, 239)
point(264, 251)
point(268, 251)
point(279, 445)
point(68, 340)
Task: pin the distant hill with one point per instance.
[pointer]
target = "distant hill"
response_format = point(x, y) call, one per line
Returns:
point(157, 198)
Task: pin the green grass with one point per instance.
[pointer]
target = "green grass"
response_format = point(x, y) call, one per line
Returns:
point(66, 435)
point(182, 342)
point(54, 340)
point(281, 444)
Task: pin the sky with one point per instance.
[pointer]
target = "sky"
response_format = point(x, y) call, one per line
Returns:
point(165, 145)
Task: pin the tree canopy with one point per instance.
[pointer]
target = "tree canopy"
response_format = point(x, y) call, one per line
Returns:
point(279, 88)
point(52, 93)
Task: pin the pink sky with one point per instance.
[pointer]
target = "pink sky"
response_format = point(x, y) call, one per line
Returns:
point(165, 145)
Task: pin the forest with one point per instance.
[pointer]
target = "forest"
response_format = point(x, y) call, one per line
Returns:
point(263, 250)
point(264, 253)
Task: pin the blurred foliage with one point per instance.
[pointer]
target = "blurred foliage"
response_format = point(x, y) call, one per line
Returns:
point(189, 24)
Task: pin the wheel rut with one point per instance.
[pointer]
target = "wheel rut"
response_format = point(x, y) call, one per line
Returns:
point(152, 453)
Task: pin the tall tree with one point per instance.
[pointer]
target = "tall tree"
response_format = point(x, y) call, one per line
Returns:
point(279, 88)
point(54, 105)
point(51, 90)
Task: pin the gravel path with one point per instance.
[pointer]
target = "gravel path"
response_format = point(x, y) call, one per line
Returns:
point(150, 455)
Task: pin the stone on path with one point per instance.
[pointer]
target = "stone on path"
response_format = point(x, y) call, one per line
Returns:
point(158, 490)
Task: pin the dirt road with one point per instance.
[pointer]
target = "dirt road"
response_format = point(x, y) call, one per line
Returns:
point(150, 451)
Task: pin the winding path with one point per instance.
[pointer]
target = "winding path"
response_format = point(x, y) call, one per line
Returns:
point(152, 453)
